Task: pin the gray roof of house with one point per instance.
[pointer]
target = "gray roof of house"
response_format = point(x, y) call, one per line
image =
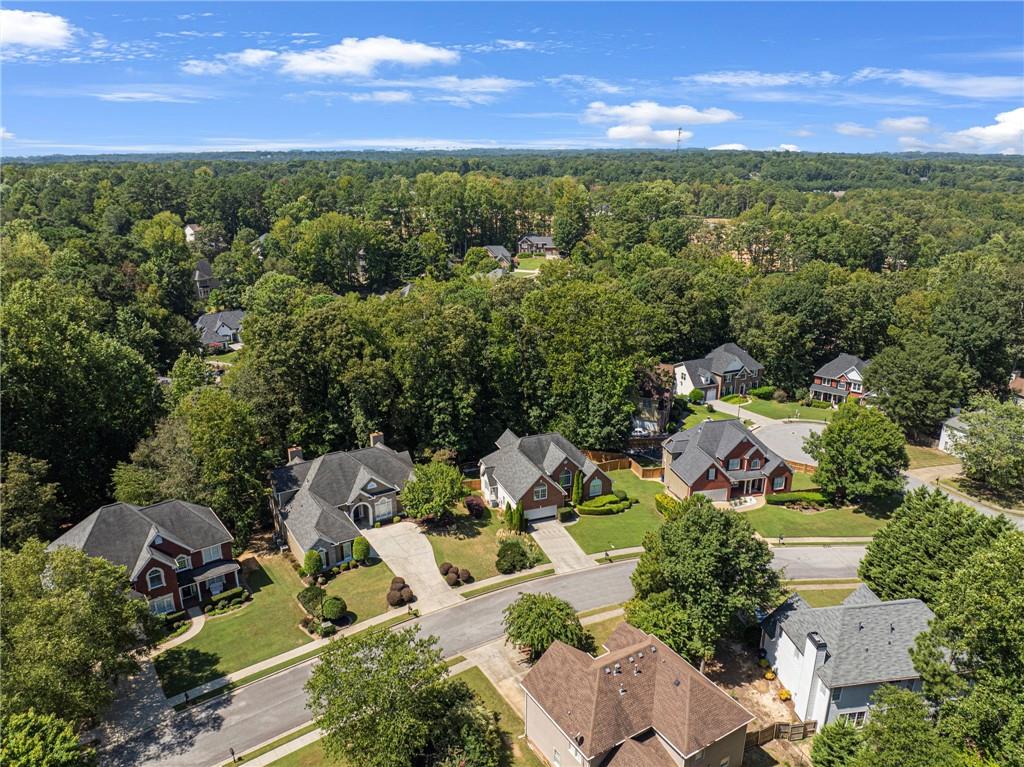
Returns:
point(499, 252)
point(520, 461)
point(208, 323)
point(698, 373)
point(708, 443)
point(335, 480)
point(830, 389)
point(538, 239)
point(867, 640)
point(121, 532)
point(957, 423)
point(727, 358)
point(495, 274)
point(840, 365)
point(203, 270)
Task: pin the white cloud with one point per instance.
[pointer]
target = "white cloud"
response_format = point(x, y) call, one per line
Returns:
point(382, 97)
point(905, 124)
point(950, 84)
point(584, 83)
point(728, 148)
point(34, 29)
point(460, 91)
point(137, 96)
point(854, 129)
point(787, 148)
point(5, 134)
point(645, 113)
point(189, 16)
point(748, 78)
point(803, 132)
point(1006, 134)
point(355, 56)
point(645, 134)
point(250, 58)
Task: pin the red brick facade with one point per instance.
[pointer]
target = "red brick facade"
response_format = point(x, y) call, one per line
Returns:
point(170, 577)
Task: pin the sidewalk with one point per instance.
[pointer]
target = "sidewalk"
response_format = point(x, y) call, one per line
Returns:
point(263, 760)
point(560, 547)
point(838, 541)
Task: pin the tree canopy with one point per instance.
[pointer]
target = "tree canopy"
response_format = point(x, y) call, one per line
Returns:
point(534, 621)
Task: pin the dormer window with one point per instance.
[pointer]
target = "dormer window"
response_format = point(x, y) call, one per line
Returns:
point(155, 578)
point(734, 464)
point(755, 463)
point(181, 563)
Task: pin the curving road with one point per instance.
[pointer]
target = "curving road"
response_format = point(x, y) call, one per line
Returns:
point(261, 711)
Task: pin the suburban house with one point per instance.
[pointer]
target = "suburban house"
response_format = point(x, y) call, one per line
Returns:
point(832, 659)
point(725, 370)
point(723, 460)
point(495, 274)
point(177, 554)
point(500, 254)
point(538, 471)
point(953, 430)
point(191, 230)
point(218, 331)
point(840, 380)
point(1016, 387)
point(653, 403)
point(203, 278)
point(320, 505)
point(536, 245)
point(638, 705)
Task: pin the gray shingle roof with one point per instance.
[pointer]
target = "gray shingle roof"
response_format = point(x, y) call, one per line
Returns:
point(708, 443)
point(540, 240)
point(208, 324)
point(867, 640)
point(729, 358)
point(499, 253)
point(121, 532)
point(336, 480)
point(840, 365)
point(520, 461)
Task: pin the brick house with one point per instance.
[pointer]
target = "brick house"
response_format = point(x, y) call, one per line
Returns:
point(638, 705)
point(538, 471)
point(537, 245)
point(840, 380)
point(723, 460)
point(727, 369)
point(501, 255)
point(177, 554)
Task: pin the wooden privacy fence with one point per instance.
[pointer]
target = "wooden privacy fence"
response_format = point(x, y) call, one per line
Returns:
point(471, 484)
point(607, 461)
point(780, 731)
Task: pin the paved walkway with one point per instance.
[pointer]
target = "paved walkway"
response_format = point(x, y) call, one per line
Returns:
point(198, 621)
point(407, 552)
point(503, 665)
point(563, 551)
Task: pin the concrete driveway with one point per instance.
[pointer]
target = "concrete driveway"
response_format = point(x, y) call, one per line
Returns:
point(787, 439)
point(407, 552)
point(560, 547)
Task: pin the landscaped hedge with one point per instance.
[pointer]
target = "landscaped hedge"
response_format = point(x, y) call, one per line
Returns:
point(813, 497)
point(762, 392)
point(565, 514)
point(603, 505)
point(665, 504)
point(229, 595)
point(311, 598)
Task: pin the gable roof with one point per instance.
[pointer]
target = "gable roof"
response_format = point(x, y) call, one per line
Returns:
point(840, 365)
point(538, 239)
point(727, 358)
point(203, 270)
point(499, 252)
point(638, 685)
point(519, 462)
point(122, 533)
point(208, 324)
point(866, 640)
point(708, 443)
point(334, 480)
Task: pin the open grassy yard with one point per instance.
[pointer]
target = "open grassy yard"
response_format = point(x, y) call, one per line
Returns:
point(772, 521)
point(772, 409)
point(802, 481)
point(308, 756)
point(925, 457)
point(470, 543)
point(621, 531)
point(603, 629)
point(826, 597)
point(228, 357)
point(267, 626)
point(697, 413)
point(508, 719)
point(532, 262)
point(363, 590)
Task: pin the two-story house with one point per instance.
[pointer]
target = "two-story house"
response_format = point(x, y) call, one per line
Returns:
point(840, 380)
point(725, 370)
point(538, 245)
point(501, 255)
point(218, 331)
point(653, 403)
point(538, 471)
point(177, 554)
point(321, 505)
point(832, 659)
point(202, 277)
point(722, 460)
point(638, 705)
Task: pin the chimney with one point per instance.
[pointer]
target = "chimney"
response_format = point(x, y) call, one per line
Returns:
point(294, 454)
point(376, 438)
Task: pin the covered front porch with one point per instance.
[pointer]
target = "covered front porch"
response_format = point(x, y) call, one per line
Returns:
point(201, 584)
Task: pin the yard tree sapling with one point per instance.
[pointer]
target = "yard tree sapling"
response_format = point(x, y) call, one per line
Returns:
point(360, 549)
point(312, 563)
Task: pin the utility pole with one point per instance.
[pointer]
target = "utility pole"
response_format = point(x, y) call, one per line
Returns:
point(679, 138)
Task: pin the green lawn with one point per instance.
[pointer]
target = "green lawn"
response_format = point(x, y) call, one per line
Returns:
point(772, 409)
point(698, 413)
point(772, 521)
point(735, 399)
point(228, 357)
point(620, 531)
point(508, 719)
point(364, 590)
point(469, 543)
point(532, 262)
point(802, 481)
point(1011, 501)
point(308, 756)
point(603, 629)
point(925, 457)
point(826, 597)
point(266, 627)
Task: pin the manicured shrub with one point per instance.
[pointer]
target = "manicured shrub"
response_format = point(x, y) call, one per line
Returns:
point(334, 608)
point(407, 595)
point(445, 567)
point(312, 563)
point(797, 497)
point(327, 629)
point(228, 595)
point(762, 392)
point(819, 404)
point(512, 556)
point(394, 598)
point(311, 598)
point(763, 663)
point(784, 695)
point(710, 408)
point(353, 565)
point(769, 675)
point(464, 575)
point(780, 395)
point(397, 582)
point(665, 504)
point(696, 396)
point(475, 506)
point(360, 549)
point(346, 566)
point(620, 494)
point(336, 570)
point(565, 514)
point(376, 525)
point(452, 577)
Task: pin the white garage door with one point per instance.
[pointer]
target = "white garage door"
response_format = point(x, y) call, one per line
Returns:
point(717, 495)
point(542, 513)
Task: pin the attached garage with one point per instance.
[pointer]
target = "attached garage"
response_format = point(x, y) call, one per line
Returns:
point(543, 513)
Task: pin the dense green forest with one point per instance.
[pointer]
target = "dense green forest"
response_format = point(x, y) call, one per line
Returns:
point(916, 261)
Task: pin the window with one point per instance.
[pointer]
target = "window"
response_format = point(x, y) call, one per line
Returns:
point(855, 386)
point(778, 483)
point(211, 553)
point(595, 487)
point(837, 694)
point(734, 464)
point(712, 473)
point(162, 605)
point(154, 579)
point(346, 551)
point(856, 718)
point(181, 563)
point(540, 493)
point(565, 478)
point(755, 463)
point(556, 759)
point(841, 385)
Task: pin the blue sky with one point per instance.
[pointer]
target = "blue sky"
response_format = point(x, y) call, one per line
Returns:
point(123, 77)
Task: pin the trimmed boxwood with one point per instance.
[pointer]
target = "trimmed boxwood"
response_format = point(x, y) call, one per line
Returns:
point(334, 608)
point(452, 578)
point(445, 567)
point(310, 598)
point(228, 595)
point(395, 598)
point(602, 505)
point(564, 514)
point(814, 497)
point(762, 392)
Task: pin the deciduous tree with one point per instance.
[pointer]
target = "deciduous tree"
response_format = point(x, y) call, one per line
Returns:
point(433, 491)
point(29, 504)
point(534, 621)
point(992, 450)
point(42, 740)
point(836, 744)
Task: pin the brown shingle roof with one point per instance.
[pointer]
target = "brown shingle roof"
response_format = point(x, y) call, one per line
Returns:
point(639, 684)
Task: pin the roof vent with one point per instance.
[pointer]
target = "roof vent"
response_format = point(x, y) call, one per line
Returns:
point(892, 628)
point(636, 670)
point(654, 649)
point(676, 683)
point(860, 626)
point(618, 668)
point(607, 669)
point(640, 654)
point(632, 659)
point(622, 689)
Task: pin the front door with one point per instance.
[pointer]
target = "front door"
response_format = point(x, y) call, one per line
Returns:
point(191, 591)
point(361, 515)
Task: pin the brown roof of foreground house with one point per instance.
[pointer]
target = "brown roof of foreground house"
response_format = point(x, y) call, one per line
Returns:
point(639, 684)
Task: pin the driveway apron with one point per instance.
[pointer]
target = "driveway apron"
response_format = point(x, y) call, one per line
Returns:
point(564, 553)
point(407, 552)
